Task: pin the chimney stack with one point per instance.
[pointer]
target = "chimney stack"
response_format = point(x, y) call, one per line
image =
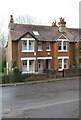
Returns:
point(11, 23)
point(54, 24)
point(62, 25)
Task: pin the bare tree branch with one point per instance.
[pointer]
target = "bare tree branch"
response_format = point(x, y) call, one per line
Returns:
point(25, 19)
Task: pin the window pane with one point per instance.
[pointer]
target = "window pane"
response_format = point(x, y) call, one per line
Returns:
point(39, 46)
point(24, 65)
point(31, 45)
point(59, 45)
point(60, 63)
point(64, 45)
point(24, 45)
point(48, 45)
point(31, 65)
point(65, 63)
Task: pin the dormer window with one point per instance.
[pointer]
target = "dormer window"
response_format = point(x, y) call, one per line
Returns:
point(35, 33)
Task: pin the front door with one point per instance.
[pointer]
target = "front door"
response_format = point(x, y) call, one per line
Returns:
point(40, 66)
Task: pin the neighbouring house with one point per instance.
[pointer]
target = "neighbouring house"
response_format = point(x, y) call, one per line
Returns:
point(34, 48)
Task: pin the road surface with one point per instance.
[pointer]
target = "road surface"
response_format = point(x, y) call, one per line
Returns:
point(58, 99)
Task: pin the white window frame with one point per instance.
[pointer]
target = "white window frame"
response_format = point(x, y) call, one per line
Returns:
point(48, 45)
point(62, 58)
point(62, 41)
point(27, 40)
point(41, 47)
point(28, 69)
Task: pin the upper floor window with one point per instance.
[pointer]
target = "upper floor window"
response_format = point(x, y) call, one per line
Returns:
point(62, 45)
point(31, 45)
point(24, 45)
point(47, 46)
point(39, 46)
point(27, 45)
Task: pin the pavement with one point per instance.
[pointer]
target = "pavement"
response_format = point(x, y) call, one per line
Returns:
point(40, 81)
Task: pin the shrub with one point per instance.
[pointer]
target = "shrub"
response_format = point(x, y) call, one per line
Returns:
point(17, 75)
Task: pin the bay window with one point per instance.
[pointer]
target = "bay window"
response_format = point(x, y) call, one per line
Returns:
point(62, 63)
point(27, 66)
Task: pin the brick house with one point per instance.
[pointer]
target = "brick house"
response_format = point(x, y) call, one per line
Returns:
point(34, 48)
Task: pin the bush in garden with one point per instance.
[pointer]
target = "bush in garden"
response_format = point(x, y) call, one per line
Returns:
point(17, 75)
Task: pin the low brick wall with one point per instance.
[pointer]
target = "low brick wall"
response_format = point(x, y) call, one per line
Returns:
point(37, 77)
point(72, 72)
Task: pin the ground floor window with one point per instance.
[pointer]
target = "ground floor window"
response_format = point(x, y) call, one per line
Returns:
point(62, 63)
point(28, 66)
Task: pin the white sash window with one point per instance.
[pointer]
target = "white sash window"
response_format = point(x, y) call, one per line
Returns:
point(27, 44)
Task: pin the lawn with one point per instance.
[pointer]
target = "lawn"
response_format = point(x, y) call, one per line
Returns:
point(2, 74)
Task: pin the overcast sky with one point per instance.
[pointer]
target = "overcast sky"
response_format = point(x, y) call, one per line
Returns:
point(45, 11)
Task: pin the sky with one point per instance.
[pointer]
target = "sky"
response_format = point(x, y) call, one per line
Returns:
point(44, 11)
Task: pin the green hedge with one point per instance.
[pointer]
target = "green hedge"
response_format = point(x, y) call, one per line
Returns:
point(15, 76)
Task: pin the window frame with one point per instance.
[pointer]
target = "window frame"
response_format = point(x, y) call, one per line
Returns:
point(48, 45)
point(28, 66)
point(62, 58)
point(62, 45)
point(28, 40)
point(41, 46)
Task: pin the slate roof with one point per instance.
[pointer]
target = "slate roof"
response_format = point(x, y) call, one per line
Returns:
point(47, 33)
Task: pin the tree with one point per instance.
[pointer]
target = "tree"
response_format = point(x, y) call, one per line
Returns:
point(25, 19)
point(2, 48)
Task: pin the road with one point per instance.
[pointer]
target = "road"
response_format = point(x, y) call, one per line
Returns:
point(58, 99)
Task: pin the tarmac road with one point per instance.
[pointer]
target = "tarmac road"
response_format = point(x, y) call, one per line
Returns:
point(58, 99)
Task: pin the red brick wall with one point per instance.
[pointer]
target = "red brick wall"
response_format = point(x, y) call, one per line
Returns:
point(18, 54)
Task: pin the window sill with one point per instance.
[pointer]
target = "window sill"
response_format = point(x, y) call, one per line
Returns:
point(62, 69)
point(28, 72)
point(40, 50)
point(62, 51)
point(48, 50)
point(28, 51)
